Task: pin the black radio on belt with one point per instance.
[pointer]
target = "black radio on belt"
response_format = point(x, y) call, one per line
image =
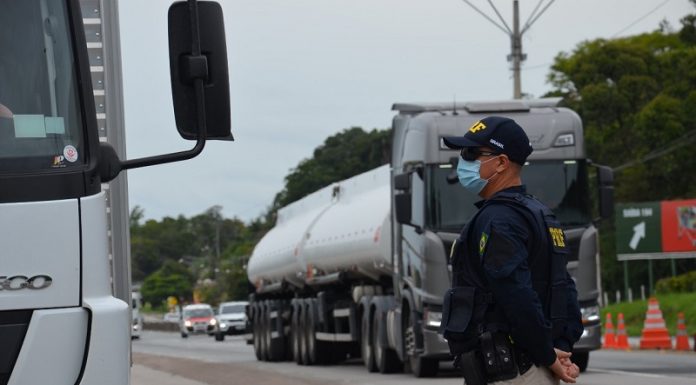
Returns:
point(497, 356)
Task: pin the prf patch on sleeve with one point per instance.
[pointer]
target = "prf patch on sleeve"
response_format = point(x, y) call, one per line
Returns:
point(557, 237)
point(482, 243)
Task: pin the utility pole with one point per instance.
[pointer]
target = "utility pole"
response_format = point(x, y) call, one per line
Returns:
point(516, 55)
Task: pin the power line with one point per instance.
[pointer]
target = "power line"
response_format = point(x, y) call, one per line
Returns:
point(641, 18)
point(681, 141)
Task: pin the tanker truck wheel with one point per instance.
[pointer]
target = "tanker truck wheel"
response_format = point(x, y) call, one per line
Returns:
point(276, 346)
point(302, 333)
point(386, 359)
point(318, 351)
point(420, 366)
point(366, 342)
point(263, 325)
point(296, 332)
point(256, 330)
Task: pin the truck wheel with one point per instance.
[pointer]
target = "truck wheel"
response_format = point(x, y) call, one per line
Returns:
point(304, 349)
point(184, 335)
point(276, 347)
point(219, 336)
point(318, 352)
point(256, 331)
point(385, 358)
point(581, 359)
point(366, 342)
point(295, 331)
point(419, 366)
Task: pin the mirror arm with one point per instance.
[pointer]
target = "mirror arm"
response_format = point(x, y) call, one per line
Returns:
point(197, 71)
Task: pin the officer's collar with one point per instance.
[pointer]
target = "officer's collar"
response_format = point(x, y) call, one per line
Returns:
point(514, 189)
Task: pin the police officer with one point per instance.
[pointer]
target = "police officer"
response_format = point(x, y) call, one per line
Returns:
point(512, 315)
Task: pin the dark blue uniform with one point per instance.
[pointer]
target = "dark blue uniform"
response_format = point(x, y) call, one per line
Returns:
point(505, 253)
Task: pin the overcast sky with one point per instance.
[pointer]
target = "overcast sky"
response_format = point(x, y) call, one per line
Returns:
point(301, 70)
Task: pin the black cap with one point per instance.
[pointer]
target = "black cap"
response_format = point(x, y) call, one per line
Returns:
point(501, 134)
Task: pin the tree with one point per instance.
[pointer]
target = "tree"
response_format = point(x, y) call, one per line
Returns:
point(341, 156)
point(172, 279)
point(637, 99)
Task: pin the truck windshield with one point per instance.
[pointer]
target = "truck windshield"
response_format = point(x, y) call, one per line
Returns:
point(561, 184)
point(40, 124)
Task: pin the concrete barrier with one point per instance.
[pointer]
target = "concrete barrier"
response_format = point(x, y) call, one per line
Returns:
point(161, 326)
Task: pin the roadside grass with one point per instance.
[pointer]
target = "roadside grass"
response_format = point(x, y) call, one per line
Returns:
point(670, 305)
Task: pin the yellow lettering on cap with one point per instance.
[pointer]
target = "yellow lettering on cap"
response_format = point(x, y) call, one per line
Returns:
point(478, 126)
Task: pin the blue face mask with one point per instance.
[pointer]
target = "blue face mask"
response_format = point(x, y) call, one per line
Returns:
point(469, 173)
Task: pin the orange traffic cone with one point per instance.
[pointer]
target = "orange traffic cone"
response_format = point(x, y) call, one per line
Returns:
point(682, 338)
point(609, 339)
point(621, 337)
point(655, 334)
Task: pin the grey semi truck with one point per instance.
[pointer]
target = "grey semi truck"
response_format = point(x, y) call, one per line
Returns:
point(359, 268)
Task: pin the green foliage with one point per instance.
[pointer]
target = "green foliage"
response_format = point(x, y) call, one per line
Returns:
point(637, 98)
point(684, 283)
point(172, 279)
point(670, 305)
point(341, 156)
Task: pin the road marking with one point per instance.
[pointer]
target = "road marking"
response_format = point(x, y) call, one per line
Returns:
point(649, 375)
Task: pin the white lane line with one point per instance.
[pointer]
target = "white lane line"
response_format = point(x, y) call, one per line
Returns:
point(649, 375)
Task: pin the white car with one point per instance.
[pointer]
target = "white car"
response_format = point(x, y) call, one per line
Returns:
point(137, 317)
point(198, 318)
point(231, 318)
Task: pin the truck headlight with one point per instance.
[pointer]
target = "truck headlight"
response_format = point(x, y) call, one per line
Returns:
point(187, 323)
point(223, 325)
point(432, 319)
point(590, 314)
point(213, 321)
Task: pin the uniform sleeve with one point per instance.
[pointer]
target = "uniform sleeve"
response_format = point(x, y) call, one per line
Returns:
point(504, 257)
point(573, 326)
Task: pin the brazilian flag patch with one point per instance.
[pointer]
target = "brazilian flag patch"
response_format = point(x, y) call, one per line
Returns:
point(482, 243)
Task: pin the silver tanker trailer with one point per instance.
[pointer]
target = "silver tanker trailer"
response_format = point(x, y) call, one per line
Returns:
point(359, 268)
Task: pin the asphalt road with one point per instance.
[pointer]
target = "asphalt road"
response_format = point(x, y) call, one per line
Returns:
point(166, 358)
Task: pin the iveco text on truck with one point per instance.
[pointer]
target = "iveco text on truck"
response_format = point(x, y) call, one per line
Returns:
point(60, 323)
point(359, 268)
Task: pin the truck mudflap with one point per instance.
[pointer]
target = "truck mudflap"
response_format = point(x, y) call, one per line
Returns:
point(53, 348)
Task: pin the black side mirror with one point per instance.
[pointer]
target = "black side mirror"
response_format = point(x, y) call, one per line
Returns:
point(199, 56)
point(402, 205)
point(200, 85)
point(605, 179)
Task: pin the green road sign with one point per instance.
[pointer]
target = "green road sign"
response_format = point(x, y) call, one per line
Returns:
point(638, 228)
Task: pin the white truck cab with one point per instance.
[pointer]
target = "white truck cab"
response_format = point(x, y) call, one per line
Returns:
point(60, 322)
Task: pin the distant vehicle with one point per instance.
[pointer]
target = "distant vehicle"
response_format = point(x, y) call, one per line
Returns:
point(172, 317)
point(198, 318)
point(231, 318)
point(136, 315)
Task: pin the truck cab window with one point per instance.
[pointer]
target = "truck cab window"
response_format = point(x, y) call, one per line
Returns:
point(40, 122)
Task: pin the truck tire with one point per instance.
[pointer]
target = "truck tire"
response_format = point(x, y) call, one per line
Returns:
point(219, 336)
point(184, 335)
point(302, 333)
point(256, 330)
point(263, 326)
point(581, 359)
point(366, 350)
point(419, 366)
point(317, 351)
point(276, 346)
point(296, 332)
point(386, 359)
